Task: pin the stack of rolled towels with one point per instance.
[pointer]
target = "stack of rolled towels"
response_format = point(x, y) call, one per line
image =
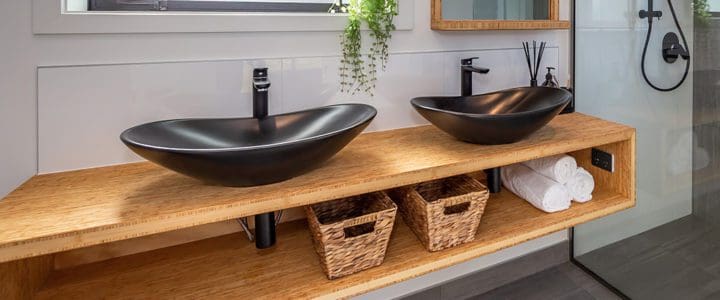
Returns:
point(550, 183)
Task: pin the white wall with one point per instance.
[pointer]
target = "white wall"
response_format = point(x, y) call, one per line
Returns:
point(18, 131)
point(610, 85)
point(92, 86)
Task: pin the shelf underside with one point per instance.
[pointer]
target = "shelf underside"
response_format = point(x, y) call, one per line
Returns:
point(230, 266)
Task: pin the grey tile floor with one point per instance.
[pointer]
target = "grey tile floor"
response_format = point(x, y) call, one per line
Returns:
point(678, 260)
point(564, 282)
point(545, 274)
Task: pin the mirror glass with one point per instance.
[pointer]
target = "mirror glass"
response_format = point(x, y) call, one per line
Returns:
point(496, 9)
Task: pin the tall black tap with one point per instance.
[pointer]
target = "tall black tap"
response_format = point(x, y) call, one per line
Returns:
point(466, 71)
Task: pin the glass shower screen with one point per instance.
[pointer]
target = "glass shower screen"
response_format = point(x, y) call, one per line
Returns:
point(668, 246)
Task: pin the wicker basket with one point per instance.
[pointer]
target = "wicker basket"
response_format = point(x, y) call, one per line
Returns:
point(351, 234)
point(443, 213)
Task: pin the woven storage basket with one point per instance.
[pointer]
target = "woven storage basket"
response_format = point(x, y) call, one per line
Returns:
point(443, 213)
point(351, 234)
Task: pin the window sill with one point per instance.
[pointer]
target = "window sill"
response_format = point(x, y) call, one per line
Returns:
point(50, 17)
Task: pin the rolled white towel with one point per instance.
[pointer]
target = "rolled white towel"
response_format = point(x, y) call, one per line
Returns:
point(581, 186)
point(559, 167)
point(540, 191)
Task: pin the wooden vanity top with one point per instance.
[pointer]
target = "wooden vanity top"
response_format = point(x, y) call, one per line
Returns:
point(62, 211)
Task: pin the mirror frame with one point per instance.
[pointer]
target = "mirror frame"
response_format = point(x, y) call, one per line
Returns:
point(438, 23)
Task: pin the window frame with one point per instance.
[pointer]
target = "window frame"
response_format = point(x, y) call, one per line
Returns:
point(213, 6)
point(52, 17)
point(714, 13)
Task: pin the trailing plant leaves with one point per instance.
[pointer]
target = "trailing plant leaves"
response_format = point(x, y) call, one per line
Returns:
point(358, 71)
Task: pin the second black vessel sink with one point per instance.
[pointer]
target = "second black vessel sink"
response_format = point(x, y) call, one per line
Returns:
point(495, 118)
point(250, 151)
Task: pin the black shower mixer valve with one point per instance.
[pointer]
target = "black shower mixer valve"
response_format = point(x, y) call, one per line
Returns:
point(672, 48)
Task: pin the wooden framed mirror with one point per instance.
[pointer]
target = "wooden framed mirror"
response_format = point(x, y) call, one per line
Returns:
point(496, 15)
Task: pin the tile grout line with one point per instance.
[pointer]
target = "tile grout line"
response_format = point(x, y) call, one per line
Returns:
point(272, 58)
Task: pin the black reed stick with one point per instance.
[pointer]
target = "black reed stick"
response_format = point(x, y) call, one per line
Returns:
point(540, 56)
point(534, 59)
point(526, 48)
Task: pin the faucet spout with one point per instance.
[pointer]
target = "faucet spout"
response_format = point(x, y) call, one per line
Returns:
point(472, 69)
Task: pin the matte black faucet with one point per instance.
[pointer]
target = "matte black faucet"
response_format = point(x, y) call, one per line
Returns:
point(264, 223)
point(261, 86)
point(466, 71)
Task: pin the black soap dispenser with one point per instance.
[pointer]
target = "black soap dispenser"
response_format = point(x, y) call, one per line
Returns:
point(550, 79)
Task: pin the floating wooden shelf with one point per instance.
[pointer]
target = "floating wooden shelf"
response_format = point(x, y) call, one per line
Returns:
point(63, 211)
point(231, 267)
point(58, 212)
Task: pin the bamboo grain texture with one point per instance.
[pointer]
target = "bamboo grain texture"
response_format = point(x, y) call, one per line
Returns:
point(63, 211)
point(21, 279)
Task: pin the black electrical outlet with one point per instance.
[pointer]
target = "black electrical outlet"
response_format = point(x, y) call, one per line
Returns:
point(603, 160)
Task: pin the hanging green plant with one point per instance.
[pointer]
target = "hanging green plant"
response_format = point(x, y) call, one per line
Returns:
point(702, 11)
point(358, 71)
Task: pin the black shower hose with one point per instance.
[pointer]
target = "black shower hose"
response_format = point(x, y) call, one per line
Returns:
point(647, 42)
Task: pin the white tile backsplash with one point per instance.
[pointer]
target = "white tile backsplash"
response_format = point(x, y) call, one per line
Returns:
point(407, 76)
point(83, 109)
point(313, 82)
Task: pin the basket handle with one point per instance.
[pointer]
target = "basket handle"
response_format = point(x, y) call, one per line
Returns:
point(352, 228)
point(358, 231)
point(360, 220)
point(454, 209)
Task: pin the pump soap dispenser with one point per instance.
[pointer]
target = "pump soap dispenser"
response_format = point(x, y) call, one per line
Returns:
point(550, 79)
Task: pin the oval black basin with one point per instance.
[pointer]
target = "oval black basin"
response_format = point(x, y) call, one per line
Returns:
point(249, 151)
point(495, 118)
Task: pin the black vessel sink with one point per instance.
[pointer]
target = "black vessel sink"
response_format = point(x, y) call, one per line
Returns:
point(495, 118)
point(250, 151)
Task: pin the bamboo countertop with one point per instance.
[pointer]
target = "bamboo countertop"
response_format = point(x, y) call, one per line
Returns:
point(230, 266)
point(62, 211)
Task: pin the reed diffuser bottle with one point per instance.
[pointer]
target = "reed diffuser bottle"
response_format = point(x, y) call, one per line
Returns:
point(534, 59)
